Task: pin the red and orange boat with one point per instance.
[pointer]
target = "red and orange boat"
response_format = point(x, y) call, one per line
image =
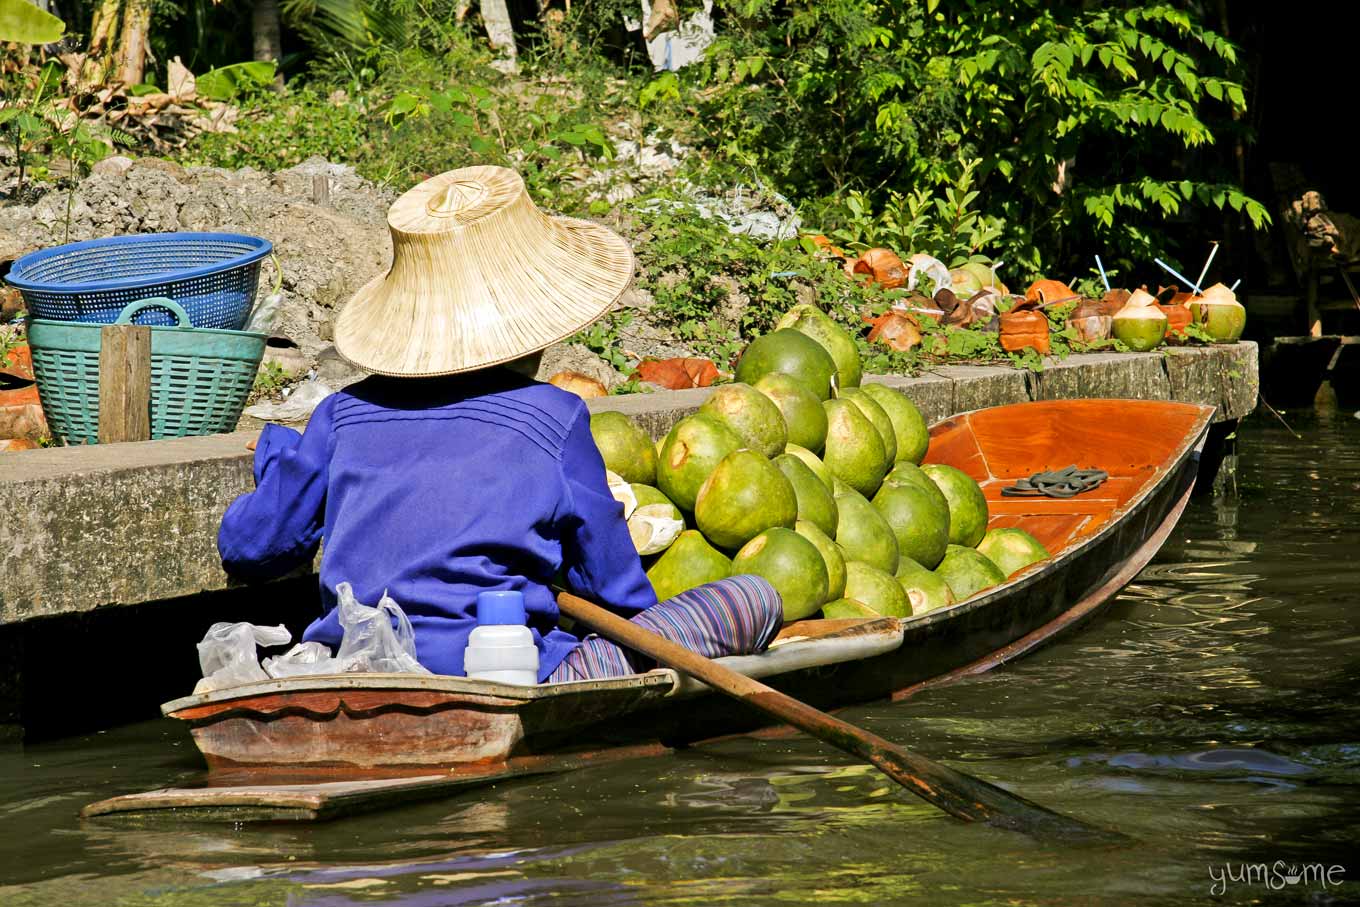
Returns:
point(317, 747)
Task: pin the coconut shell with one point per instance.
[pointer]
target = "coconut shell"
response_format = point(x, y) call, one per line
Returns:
point(680, 373)
point(1092, 319)
point(1177, 319)
point(581, 385)
point(1043, 292)
point(1024, 329)
point(896, 331)
point(881, 266)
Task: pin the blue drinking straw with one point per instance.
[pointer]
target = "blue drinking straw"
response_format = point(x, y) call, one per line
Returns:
point(1189, 283)
point(1103, 279)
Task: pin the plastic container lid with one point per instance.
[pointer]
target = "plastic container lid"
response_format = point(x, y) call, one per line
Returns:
point(501, 609)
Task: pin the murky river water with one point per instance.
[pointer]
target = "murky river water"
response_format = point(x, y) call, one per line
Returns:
point(1210, 714)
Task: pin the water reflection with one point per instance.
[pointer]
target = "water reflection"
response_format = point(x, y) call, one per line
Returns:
point(1209, 714)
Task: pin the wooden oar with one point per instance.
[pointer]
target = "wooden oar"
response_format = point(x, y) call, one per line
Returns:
point(960, 795)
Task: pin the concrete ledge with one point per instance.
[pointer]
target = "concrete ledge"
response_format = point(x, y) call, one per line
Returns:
point(91, 527)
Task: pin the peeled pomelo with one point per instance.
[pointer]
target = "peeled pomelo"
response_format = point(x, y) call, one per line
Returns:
point(815, 501)
point(871, 586)
point(1011, 549)
point(836, 340)
point(876, 414)
point(919, 522)
point(967, 505)
point(690, 561)
point(968, 572)
point(854, 450)
point(1140, 325)
point(803, 414)
point(743, 496)
point(831, 556)
point(863, 533)
point(646, 495)
point(654, 527)
point(751, 414)
point(909, 426)
point(626, 449)
point(925, 590)
point(791, 353)
point(847, 608)
point(792, 564)
point(813, 462)
point(690, 453)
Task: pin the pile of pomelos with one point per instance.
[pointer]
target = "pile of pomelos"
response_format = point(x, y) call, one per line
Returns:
point(801, 475)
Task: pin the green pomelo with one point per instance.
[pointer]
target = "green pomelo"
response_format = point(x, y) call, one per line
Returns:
point(751, 414)
point(919, 521)
point(925, 590)
point(1011, 549)
point(691, 452)
point(802, 411)
point(913, 436)
point(878, 416)
point(911, 475)
point(1224, 321)
point(745, 495)
point(1140, 329)
point(690, 561)
point(986, 277)
point(789, 353)
point(836, 340)
point(814, 463)
point(831, 556)
point(863, 533)
point(815, 502)
point(964, 283)
point(839, 487)
point(967, 505)
point(847, 607)
point(626, 449)
point(792, 564)
point(854, 451)
point(880, 591)
point(968, 572)
point(647, 495)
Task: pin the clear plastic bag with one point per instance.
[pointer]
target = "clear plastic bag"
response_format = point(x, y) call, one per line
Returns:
point(227, 653)
point(303, 658)
point(370, 642)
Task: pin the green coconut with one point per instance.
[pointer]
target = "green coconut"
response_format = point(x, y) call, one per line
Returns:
point(1012, 550)
point(864, 534)
point(815, 501)
point(919, 521)
point(791, 353)
point(689, 454)
point(876, 414)
point(968, 572)
point(1140, 325)
point(752, 415)
point(743, 496)
point(879, 590)
point(802, 411)
point(836, 340)
point(925, 590)
point(854, 449)
point(843, 608)
point(690, 561)
point(909, 426)
point(831, 556)
point(967, 504)
point(792, 564)
point(625, 448)
point(813, 462)
point(1220, 314)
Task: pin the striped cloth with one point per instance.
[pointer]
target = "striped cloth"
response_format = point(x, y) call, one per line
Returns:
point(735, 616)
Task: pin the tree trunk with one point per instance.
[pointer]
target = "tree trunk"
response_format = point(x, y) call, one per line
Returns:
point(132, 43)
point(268, 38)
point(500, 31)
point(103, 30)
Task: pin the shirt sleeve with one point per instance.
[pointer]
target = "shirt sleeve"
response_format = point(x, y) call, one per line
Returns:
point(599, 559)
point(277, 527)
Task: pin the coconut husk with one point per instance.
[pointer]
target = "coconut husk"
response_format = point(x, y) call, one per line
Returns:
point(880, 266)
point(896, 330)
point(581, 385)
point(1043, 292)
point(1093, 319)
point(680, 373)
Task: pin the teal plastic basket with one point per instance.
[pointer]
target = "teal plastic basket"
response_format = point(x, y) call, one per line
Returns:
point(200, 377)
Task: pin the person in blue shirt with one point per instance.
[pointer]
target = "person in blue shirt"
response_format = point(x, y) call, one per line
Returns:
point(450, 471)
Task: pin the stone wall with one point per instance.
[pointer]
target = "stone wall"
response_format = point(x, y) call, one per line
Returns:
point(92, 527)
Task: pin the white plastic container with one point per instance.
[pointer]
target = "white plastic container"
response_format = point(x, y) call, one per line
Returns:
point(501, 648)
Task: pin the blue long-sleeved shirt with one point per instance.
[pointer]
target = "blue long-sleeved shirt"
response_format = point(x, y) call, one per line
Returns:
point(435, 490)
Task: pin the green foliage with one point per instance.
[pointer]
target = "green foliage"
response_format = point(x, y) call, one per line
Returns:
point(11, 337)
point(1089, 121)
point(270, 380)
point(23, 23)
point(231, 82)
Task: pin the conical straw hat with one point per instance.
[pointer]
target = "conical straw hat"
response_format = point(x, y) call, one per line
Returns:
point(479, 276)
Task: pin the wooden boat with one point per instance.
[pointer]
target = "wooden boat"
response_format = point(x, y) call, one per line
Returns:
point(312, 747)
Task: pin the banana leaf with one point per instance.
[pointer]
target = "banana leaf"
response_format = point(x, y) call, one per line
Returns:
point(24, 23)
point(227, 82)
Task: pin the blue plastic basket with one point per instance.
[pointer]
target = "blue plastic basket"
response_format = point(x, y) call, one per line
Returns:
point(213, 276)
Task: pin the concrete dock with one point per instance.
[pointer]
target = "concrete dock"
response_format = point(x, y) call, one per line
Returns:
point(110, 571)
